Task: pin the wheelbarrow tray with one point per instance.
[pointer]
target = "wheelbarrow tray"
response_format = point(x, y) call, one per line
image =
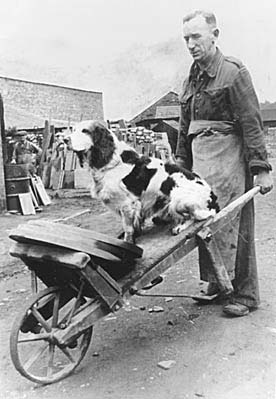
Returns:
point(74, 266)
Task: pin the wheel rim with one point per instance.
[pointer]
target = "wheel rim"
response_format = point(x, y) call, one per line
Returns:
point(36, 354)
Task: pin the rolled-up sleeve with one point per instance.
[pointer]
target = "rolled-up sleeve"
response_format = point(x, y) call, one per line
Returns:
point(247, 110)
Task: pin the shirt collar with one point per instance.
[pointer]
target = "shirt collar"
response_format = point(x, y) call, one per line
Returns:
point(211, 69)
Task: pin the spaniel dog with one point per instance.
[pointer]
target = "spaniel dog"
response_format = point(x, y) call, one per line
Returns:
point(138, 187)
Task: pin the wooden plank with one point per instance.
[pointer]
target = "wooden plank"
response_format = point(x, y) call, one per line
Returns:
point(46, 174)
point(3, 203)
point(109, 279)
point(66, 257)
point(108, 294)
point(93, 312)
point(82, 178)
point(69, 160)
point(34, 199)
point(55, 179)
point(75, 215)
point(84, 234)
point(145, 272)
point(46, 141)
point(29, 233)
point(45, 199)
point(26, 204)
point(68, 181)
point(217, 264)
point(74, 161)
point(60, 180)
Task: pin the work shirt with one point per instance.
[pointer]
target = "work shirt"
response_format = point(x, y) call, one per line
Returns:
point(222, 92)
point(23, 151)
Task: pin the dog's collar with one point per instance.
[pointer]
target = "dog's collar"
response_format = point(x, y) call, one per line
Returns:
point(98, 174)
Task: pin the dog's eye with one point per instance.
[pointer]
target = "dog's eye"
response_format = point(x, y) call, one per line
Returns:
point(85, 131)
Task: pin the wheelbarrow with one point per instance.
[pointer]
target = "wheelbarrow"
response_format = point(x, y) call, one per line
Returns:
point(89, 275)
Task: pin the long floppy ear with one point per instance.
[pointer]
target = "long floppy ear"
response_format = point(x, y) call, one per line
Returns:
point(103, 146)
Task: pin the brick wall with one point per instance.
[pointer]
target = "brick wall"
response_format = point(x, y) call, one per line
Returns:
point(28, 104)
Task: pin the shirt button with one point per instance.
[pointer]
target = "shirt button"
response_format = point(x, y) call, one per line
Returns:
point(198, 95)
point(196, 111)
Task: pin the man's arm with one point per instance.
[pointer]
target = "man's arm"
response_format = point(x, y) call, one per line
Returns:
point(14, 153)
point(35, 148)
point(246, 108)
point(183, 152)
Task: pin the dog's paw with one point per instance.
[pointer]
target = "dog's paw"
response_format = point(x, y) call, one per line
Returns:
point(176, 230)
point(181, 227)
point(129, 238)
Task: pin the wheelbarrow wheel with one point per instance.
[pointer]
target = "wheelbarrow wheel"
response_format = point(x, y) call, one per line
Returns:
point(35, 353)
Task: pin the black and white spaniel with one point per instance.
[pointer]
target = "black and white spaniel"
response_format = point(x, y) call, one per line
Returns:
point(138, 187)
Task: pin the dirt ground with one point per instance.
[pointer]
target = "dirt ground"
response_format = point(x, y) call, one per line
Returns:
point(215, 357)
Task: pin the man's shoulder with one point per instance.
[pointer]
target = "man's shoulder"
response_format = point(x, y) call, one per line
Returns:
point(233, 62)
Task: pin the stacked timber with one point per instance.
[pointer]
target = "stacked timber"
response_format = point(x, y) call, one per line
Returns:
point(65, 170)
point(145, 141)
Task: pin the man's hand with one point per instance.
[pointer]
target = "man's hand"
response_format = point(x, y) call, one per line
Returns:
point(13, 161)
point(264, 180)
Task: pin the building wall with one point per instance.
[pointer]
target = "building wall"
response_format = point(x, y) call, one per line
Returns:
point(29, 102)
point(270, 139)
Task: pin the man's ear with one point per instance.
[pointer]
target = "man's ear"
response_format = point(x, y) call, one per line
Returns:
point(216, 33)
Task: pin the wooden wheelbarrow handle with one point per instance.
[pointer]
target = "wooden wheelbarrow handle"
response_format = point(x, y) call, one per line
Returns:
point(230, 211)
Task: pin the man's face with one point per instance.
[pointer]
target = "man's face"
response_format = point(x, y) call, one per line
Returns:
point(21, 139)
point(200, 38)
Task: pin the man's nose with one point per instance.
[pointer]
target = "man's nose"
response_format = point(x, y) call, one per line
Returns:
point(191, 43)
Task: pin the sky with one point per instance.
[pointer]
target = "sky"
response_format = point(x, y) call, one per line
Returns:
point(96, 30)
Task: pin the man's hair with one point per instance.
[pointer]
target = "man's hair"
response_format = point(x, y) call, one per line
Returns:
point(208, 16)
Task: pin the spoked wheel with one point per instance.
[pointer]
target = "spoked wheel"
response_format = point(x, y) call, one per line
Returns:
point(34, 352)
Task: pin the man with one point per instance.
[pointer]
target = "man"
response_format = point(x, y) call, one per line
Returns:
point(25, 152)
point(221, 138)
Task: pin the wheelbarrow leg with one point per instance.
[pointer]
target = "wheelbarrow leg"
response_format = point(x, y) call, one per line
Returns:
point(217, 262)
point(34, 282)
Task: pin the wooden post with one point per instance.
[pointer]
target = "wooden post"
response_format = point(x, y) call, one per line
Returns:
point(48, 131)
point(2, 159)
point(2, 180)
